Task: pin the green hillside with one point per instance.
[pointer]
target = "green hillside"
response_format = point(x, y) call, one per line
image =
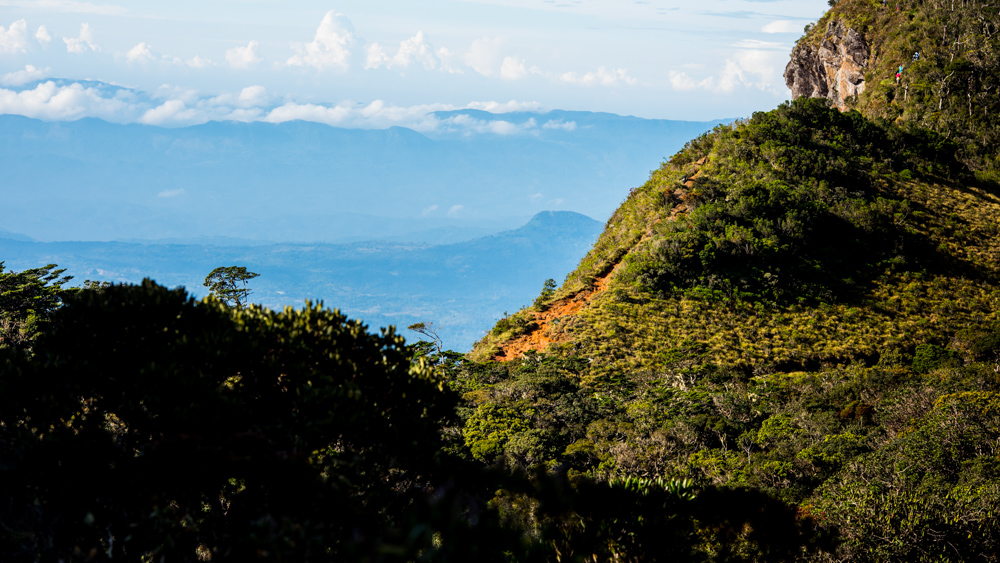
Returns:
point(785, 346)
point(805, 303)
point(950, 87)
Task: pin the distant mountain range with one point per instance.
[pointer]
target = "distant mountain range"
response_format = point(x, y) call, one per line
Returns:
point(463, 288)
point(302, 181)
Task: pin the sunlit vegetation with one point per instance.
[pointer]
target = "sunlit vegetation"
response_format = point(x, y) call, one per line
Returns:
point(787, 348)
point(950, 87)
point(804, 303)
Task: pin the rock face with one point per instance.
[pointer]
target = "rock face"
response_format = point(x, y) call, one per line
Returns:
point(834, 71)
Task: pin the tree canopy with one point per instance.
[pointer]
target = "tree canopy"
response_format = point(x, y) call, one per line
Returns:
point(229, 285)
point(27, 300)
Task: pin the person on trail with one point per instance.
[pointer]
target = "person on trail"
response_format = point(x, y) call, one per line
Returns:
point(916, 56)
point(899, 73)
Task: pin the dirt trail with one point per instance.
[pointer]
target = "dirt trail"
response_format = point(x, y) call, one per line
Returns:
point(539, 337)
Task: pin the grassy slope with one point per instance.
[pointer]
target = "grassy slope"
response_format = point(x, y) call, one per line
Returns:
point(820, 320)
point(942, 282)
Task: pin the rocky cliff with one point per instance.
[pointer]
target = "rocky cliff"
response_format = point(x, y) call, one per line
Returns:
point(835, 69)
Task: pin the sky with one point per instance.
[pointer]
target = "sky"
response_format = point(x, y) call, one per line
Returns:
point(378, 63)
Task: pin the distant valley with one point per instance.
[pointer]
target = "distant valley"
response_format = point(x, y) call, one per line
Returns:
point(301, 203)
point(462, 288)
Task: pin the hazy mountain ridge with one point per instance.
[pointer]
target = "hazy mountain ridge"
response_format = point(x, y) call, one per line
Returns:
point(460, 287)
point(300, 181)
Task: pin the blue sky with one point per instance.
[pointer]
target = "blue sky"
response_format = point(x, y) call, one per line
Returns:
point(378, 63)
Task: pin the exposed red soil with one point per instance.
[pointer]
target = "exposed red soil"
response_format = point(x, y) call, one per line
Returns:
point(539, 337)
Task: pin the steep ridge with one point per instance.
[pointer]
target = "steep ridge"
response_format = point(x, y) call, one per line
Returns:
point(805, 303)
point(926, 63)
point(541, 330)
point(538, 337)
point(833, 70)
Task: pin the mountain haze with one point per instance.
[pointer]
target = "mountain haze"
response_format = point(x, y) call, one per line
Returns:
point(302, 181)
point(461, 287)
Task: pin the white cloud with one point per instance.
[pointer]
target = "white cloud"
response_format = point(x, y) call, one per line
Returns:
point(292, 111)
point(782, 26)
point(427, 211)
point(504, 107)
point(483, 55)
point(449, 61)
point(376, 115)
point(758, 44)
point(243, 57)
point(141, 53)
point(416, 50)
point(560, 125)
point(172, 106)
point(71, 6)
point(171, 193)
point(42, 35)
point(198, 61)
point(455, 210)
point(330, 48)
point(376, 57)
point(66, 103)
point(168, 92)
point(380, 115)
point(752, 68)
point(252, 96)
point(22, 77)
point(14, 39)
point(513, 69)
point(748, 68)
point(168, 111)
point(681, 81)
point(83, 42)
point(601, 77)
point(467, 124)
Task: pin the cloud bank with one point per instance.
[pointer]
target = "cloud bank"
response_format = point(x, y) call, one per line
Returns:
point(29, 93)
point(22, 77)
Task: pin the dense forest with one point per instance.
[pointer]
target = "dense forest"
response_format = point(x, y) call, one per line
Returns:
point(785, 346)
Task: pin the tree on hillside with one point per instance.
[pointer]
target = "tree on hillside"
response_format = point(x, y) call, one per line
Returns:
point(548, 292)
point(430, 331)
point(229, 285)
point(27, 300)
